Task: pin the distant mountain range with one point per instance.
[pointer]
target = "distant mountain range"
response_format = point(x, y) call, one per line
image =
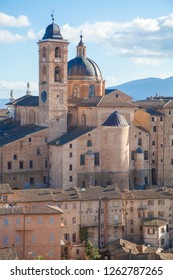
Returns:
point(143, 88)
point(137, 89)
point(3, 102)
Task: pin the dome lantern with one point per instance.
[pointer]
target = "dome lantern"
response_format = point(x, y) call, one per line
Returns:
point(52, 31)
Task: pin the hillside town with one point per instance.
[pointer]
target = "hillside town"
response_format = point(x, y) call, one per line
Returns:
point(82, 164)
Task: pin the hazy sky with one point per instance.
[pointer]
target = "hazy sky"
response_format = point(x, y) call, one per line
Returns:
point(128, 39)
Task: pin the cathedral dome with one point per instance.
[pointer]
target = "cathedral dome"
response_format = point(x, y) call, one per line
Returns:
point(52, 32)
point(83, 68)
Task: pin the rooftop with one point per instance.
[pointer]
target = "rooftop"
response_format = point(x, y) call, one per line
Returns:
point(71, 135)
point(26, 100)
point(30, 209)
point(115, 119)
point(148, 194)
point(154, 222)
point(46, 195)
point(5, 189)
point(16, 132)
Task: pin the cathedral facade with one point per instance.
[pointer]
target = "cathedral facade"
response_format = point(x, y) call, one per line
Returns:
point(76, 133)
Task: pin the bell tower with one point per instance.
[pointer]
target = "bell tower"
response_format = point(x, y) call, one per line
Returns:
point(53, 56)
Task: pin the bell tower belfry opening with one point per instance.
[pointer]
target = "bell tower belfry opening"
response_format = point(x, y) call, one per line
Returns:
point(53, 56)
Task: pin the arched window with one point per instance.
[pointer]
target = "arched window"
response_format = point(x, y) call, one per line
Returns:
point(44, 52)
point(89, 143)
point(139, 142)
point(91, 91)
point(57, 74)
point(83, 119)
point(57, 52)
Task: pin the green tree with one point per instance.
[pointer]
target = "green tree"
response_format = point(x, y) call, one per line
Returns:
point(91, 251)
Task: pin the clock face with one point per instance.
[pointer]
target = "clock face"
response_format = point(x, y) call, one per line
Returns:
point(44, 96)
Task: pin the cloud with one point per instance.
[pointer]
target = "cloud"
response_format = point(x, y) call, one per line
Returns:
point(11, 21)
point(18, 85)
point(147, 40)
point(146, 61)
point(7, 36)
point(143, 40)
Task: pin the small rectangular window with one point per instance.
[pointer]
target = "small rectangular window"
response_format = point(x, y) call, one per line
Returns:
point(30, 139)
point(132, 155)
point(39, 151)
point(153, 143)
point(28, 220)
point(17, 221)
point(17, 239)
point(70, 146)
point(70, 167)
point(40, 220)
point(15, 157)
point(70, 154)
point(96, 159)
point(70, 178)
point(9, 165)
point(51, 238)
point(154, 128)
point(30, 164)
point(21, 164)
point(150, 202)
point(33, 238)
point(51, 220)
point(5, 240)
point(82, 159)
point(151, 231)
point(145, 155)
point(5, 221)
point(31, 180)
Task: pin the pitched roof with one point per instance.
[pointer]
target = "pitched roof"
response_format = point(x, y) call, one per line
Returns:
point(153, 112)
point(5, 189)
point(110, 101)
point(30, 209)
point(18, 132)
point(49, 194)
point(26, 100)
point(33, 195)
point(115, 119)
point(154, 222)
point(71, 135)
point(148, 194)
point(90, 102)
point(169, 105)
point(138, 125)
point(91, 193)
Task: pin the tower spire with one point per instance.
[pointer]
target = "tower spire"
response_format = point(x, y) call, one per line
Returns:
point(81, 49)
point(52, 16)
